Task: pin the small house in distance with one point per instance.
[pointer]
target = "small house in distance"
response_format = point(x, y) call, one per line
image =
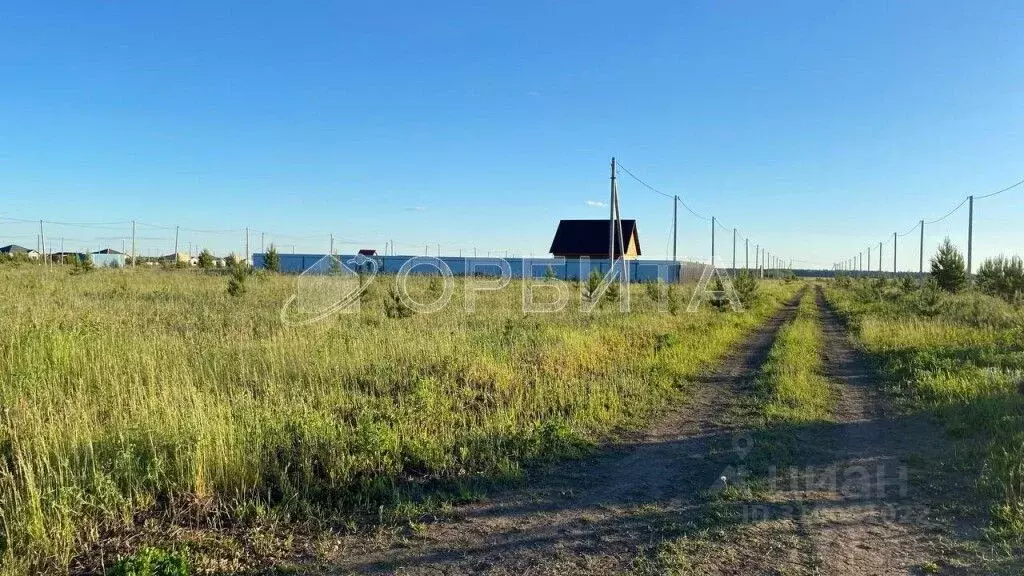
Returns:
point(13, 250)
point(579, 238)
point(367, 252)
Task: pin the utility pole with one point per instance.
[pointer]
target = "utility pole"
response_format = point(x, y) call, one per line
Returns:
point(618, 223)
point(868, 268)
point(746, 252)
point(134, 258)
point(611, 218)
point(920, 271)
point(332, 245)
point(879, 257)
point(675, 225)
point(175, 244)
point(894, 237)
point(245, 258)
point(734, 250)
point(263, 236)
point(970, 238)
point(757, 258)
point(42, 243)
point(712, 241)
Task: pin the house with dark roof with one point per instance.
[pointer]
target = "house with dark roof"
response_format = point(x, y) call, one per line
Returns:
point(579, 238)
point(367, 252)
point(67, 257)
point(13, 249)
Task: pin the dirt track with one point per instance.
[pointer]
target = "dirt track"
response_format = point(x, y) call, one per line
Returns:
point(839, 497)
point(592, 516)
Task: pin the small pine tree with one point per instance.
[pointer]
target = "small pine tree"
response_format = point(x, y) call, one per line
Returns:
point(205, 259)
point(948, 267)
point(549, 273)
point(85, 264)
point(1002, 276)
point(236, 284)
point(746, 287)
point(593, 283)
point(612, 293)
point(231, 261)
point(272, 260)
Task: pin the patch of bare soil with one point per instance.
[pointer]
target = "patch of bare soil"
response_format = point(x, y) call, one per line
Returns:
point(596, 515)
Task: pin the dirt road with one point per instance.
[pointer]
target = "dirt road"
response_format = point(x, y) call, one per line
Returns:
point(593, 516)
point(838, 497)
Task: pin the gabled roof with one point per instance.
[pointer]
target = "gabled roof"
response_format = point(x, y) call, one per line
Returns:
point(107, 251)
point(590, 237)
point(367, 252)
point(14, 249)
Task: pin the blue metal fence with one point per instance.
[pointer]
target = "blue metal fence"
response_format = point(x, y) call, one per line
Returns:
point(566, 269)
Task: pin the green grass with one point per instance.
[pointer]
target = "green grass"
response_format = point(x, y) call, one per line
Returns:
point(962, 357)
point(132, 391)
point(790, 386)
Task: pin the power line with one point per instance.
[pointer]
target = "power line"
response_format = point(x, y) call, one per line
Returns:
point(950, 213)
point(1000, 191)
point(907, 233)
point(645, 184)
point(669, 196)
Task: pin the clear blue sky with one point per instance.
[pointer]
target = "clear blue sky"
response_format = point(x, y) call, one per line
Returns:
point(816, 128)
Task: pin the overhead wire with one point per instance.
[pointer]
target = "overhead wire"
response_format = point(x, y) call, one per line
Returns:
point(656, 191)
point(1011, 187)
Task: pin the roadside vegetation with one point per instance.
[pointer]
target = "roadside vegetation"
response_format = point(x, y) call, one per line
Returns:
point(958, 351)
point(132, 399)
point(791, 385)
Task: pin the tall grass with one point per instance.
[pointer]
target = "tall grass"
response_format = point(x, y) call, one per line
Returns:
point(134, 390)
point(961, 356)
point(791, 384)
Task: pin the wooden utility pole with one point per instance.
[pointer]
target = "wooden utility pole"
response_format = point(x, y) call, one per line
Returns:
point(618, 222)
point(611, 219)
point(713, 221)
point(245, 257)
point(175, 244)
point(746, 253)
point(970, 237)
point(675, 225)
point(894, 238)
point(332, 245)
point(134, 258)
point(920, 264)
point(734, 250)
point(879, 257)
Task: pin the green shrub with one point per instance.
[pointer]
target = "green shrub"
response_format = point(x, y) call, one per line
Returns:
point(272, 260)
point(153, 562)
point(948, 267)
point(205, 259)
point(236, 284)
point(746, 287)
point(1003, 277)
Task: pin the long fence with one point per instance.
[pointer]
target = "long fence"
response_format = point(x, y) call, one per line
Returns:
point(562, 268)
